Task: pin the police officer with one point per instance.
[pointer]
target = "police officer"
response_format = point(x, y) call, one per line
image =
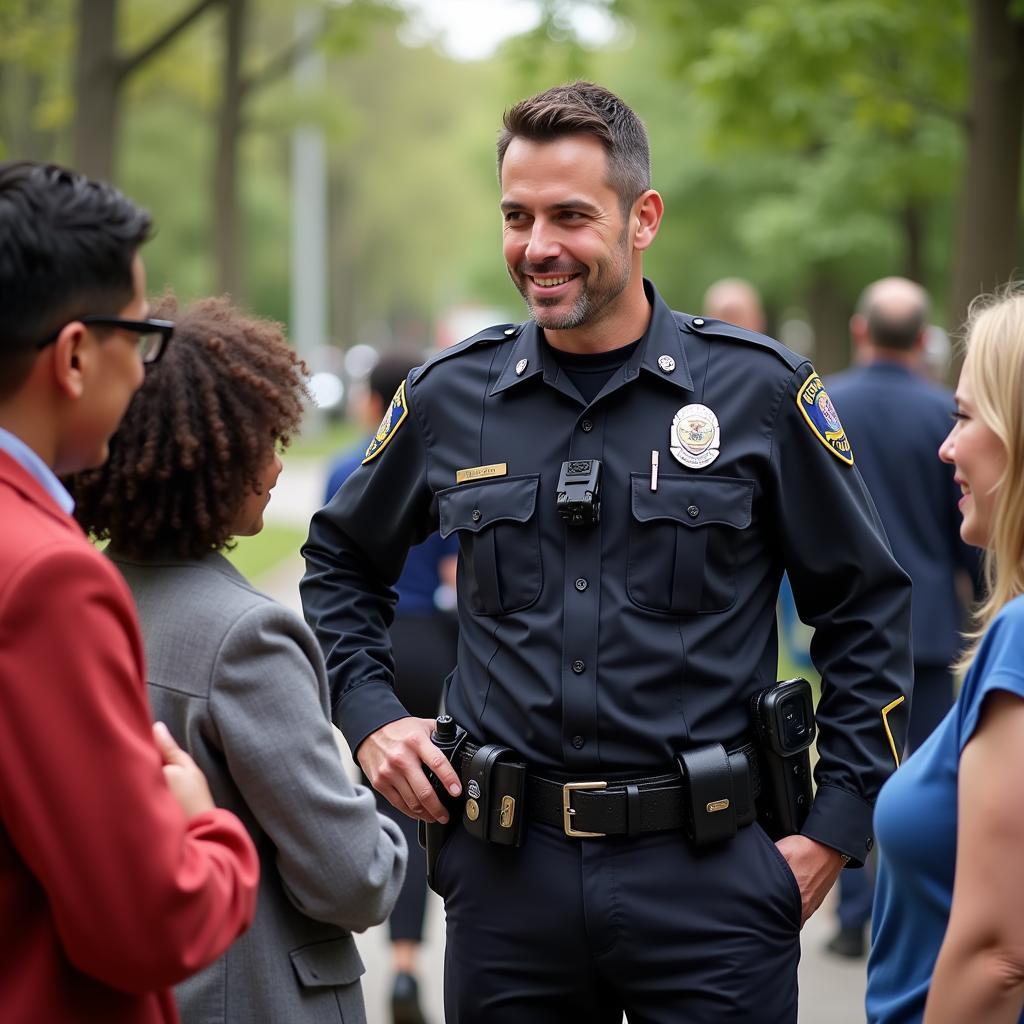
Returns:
point(627, 485)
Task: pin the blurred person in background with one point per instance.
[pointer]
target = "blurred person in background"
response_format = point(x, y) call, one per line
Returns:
point(118, 875)
point(424, 637)
point(237, 677)
point(738, 302)
point(948, 933)
point(896, 419)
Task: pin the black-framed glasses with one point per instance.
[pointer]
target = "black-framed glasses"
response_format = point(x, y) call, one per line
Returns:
point(153, 334)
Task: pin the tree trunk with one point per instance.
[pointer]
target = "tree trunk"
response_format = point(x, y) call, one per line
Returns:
point(227, 220)
point(97, 79)
point(829, 314)
point(986, 252)
point(913, 241)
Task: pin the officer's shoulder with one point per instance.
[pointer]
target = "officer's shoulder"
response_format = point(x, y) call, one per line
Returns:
point(480, 342)
point(718, 331)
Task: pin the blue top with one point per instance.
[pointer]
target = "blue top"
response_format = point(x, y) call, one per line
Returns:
point(916, 821)
point(32, 463)
point(419, 581)
point(896, 421)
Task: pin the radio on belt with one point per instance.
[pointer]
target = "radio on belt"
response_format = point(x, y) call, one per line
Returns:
point(578, 500)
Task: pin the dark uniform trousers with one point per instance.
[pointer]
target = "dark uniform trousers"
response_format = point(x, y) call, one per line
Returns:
point(615, 647)
point(563, 930)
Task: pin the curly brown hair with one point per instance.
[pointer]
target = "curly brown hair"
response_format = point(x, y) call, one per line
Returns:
point(196, 436)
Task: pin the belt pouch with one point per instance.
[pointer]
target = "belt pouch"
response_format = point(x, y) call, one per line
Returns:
point(743, 787)
point(494, 787)
point(709, 796)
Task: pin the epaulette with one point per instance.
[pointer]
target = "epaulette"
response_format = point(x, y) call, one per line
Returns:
point(492, 335)
point(708, 327)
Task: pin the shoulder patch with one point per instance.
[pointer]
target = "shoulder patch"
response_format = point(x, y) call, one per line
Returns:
point(494, 335)
point(708, 328)
point(812, 400)
point(395, 416)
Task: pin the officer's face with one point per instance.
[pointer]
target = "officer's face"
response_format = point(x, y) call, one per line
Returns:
point(566, 243)
point(979, 457)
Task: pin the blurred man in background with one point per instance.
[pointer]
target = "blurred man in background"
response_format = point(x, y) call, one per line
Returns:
point(896, 419)
point(736, 302)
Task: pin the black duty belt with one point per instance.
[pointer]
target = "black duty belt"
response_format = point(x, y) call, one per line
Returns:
point(712, 793)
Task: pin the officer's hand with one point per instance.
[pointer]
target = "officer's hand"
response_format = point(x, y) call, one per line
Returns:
point(393, 758)
point(815, 867)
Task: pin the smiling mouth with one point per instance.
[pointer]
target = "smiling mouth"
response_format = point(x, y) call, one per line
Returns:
point(553, 281)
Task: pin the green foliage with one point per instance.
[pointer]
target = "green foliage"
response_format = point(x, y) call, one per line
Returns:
point(820, 125)
point(791, 139)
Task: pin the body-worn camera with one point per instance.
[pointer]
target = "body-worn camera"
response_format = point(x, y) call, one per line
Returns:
point(579, 488)
point(783, 722)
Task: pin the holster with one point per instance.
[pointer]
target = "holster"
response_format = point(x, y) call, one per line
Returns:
point(718, 797)
point(431, 836)
point(494, 788)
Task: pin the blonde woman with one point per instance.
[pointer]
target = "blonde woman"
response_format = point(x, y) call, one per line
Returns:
point(948, 944)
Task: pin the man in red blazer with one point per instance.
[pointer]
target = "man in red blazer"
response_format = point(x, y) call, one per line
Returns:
point(118, 876)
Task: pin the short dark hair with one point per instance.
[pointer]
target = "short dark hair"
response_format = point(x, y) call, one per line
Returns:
point(196, 436)
point(389, 372)
point(583, 108)
point(66, 249)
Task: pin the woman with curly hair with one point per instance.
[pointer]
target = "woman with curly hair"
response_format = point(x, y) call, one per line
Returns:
point(237, 678)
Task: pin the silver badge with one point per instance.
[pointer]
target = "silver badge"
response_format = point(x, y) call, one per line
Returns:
point(667, 364)
point(473, 789)
point(520, 367)
point(695, 437)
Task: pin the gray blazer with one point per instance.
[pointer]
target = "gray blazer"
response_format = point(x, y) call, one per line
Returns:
point(240, 683)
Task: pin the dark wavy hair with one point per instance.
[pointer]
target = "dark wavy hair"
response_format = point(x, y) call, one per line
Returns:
point(66, 250)
point(196, 436)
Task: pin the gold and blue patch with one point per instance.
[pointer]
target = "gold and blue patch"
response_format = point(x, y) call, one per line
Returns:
point(395, 416)
point(821, 415)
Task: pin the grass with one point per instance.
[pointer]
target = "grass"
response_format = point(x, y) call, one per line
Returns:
point(255, 556)
point(329, 438)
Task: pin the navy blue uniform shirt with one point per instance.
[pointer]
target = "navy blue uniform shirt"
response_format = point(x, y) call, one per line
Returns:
point(590, 649)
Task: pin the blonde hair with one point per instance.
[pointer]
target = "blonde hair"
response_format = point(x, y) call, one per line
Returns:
point(995, 360)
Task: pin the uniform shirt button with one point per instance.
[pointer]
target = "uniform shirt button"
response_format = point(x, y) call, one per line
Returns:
point(476, 516)
point(586, 426)
point(869, 842)
point(577, 742)
point(693, 511)
point(578, 666)
point(581, 584)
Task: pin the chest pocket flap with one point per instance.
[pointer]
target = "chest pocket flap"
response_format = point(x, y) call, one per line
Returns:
point(330, 963)
point(499, 542)
point(694, 501)
point(475, 507)
point(683, 541)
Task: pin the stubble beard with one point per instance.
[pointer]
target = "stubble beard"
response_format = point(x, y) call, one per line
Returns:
point(588, 306)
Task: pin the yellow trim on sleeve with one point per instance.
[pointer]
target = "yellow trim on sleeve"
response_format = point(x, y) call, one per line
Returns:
point(888, 732)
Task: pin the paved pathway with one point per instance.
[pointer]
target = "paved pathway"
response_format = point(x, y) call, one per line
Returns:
point(831, 990)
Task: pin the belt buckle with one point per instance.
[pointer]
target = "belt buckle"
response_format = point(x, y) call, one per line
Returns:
point(568, 810)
